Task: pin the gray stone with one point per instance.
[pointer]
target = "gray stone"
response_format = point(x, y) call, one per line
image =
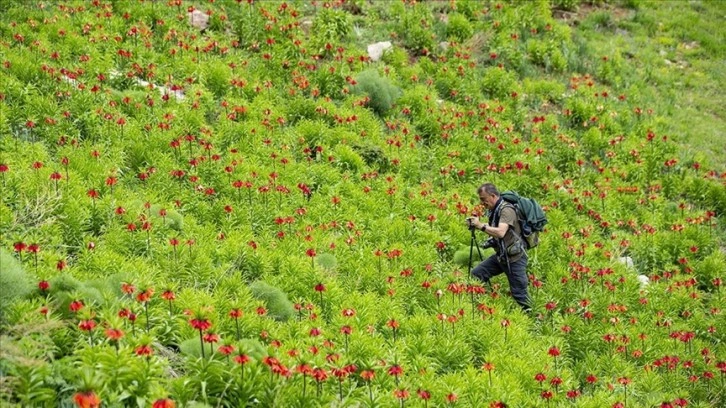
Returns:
point(198, 20)
point(375, 51)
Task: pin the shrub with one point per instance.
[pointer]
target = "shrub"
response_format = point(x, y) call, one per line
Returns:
point(498, 82)
point(347, 159)
point(13, 280)
point(543, 90)
point(332, 24)
point(382, 93)
point(459, 27)
point(567, 5)
point(374, 156)
point(278, 305)
point(396, 57)
point(327, 261)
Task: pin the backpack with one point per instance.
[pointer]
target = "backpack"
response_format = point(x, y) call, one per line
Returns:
point(530, 215)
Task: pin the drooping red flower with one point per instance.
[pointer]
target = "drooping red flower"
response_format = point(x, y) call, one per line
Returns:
point(114, 334)
point(168, 295)
point(164, 403)
point(241, 359)
point(423, 394)
point(395, 370)
point(43, 285)
point(211, 338)
point(86, 325)
point(226, 349)
point(76, 305)
point(144, 350)
point(87, 399)
point(400, 393)
point(145, 295)
point(20, 246)
point(200, 324)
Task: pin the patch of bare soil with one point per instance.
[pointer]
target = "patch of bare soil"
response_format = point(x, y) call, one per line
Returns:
point(573, 18)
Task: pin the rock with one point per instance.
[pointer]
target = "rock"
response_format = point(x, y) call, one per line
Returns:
point(198, 20)
point(306, 25)
point(627, 261)
point(644, 280)
point(375, 51)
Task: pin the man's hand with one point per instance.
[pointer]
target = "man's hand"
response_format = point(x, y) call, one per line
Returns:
point(476, 223)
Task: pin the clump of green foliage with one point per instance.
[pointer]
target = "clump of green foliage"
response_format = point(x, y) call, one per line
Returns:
point(278, 305)
point(381, 91)
point(14, 281)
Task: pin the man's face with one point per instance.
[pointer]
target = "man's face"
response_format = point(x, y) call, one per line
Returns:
point(487, 200)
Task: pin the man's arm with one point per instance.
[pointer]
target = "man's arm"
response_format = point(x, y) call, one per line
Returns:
point(496, 232)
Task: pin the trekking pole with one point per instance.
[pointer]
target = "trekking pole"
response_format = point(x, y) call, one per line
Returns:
point(473, 244)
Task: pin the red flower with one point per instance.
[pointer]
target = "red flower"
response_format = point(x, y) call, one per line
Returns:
point(145, 295)
point(168, 295)
point(241, 359)
point(320, 374)
point(395, 370)
point(200, 324)
point(86, 325)
point(128, 288)
point(539, 377)
point(367, 375)
point(401, 393)
point(423, 394)
point(235, 313)
point(144, 350)
point(43, 285)
point(554, 351)
point(114, 334)
point(320, 287)
point(546, 394)
point(211, 338)
point(226, 349)
point(311, 253)
point(87, 399)
point(20, 246)
point(164, 403)
point(76, 305)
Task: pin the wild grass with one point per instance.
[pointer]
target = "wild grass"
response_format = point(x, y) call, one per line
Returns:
point(675, 53)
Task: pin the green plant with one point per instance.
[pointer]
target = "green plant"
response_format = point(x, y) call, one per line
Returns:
point(279, 306)
point(381, 92)
point(459, 28)
point(15, 282)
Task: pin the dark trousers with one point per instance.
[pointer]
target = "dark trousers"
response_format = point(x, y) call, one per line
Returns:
point(517, 276)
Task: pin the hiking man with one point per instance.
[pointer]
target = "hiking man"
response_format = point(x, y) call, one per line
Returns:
point(506, 239)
